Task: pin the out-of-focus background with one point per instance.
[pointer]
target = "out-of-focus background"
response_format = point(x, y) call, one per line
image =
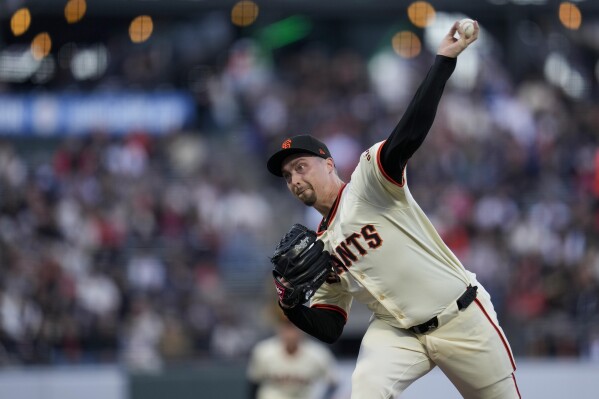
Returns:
point(137, 215)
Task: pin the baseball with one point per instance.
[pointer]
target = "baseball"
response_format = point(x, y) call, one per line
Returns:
point(467, 26)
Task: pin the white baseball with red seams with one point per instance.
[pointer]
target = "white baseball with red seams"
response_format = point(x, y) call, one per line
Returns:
point(467, 26)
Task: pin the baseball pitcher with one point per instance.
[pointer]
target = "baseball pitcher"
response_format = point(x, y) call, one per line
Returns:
point(376, 245)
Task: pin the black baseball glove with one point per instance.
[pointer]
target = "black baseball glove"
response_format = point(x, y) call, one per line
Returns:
point(301, 265)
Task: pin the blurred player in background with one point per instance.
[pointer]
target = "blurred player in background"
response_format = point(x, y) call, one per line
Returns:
point(290, 366)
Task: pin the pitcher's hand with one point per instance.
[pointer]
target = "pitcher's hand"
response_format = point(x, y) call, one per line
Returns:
point(452, 47)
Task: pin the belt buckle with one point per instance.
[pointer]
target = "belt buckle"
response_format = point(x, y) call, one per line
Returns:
point(426, 326)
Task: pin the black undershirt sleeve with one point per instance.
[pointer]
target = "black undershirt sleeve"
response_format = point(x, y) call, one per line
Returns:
point(417, 120)
point(323, 324)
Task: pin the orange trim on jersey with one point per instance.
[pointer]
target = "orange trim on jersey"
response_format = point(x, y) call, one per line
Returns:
point(380, 165)
point(507, 348)
point(332, 212)
point(331, 307)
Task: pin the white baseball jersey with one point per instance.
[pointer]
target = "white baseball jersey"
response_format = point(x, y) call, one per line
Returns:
point(388, 254)
point(290, 376)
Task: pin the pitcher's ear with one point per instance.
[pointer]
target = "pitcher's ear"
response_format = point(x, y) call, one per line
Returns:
point(330, 163)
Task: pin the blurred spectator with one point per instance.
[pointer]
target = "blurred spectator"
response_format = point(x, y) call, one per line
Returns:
point(142, 336)
point(230, 338)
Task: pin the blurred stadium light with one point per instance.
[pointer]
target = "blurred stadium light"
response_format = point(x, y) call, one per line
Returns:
point(421, 13)
point(141, 28)
point(20, 21)
point(75, 10)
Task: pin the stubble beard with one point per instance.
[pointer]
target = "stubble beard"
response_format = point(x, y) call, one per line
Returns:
point(308, 197)
point(310, 201)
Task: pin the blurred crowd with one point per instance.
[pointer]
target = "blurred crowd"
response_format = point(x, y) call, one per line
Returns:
point(146, 249)
point(115, 249)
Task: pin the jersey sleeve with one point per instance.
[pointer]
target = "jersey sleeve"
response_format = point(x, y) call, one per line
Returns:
point(332, 297)
point(371, 183)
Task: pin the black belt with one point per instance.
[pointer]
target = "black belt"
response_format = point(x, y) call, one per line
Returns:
point(463, 302)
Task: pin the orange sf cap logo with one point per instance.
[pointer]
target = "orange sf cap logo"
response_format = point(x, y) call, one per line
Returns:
point(321, 151)
point(286, 144)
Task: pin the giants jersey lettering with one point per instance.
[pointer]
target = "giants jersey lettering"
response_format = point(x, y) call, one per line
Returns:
point(387, 253)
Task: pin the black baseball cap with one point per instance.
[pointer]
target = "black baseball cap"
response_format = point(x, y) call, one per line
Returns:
point(296, 145)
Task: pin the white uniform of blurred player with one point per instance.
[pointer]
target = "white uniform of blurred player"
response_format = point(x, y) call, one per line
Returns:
point(289, 366)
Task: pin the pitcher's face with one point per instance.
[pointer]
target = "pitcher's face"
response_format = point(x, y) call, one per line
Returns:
point(306, 176)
